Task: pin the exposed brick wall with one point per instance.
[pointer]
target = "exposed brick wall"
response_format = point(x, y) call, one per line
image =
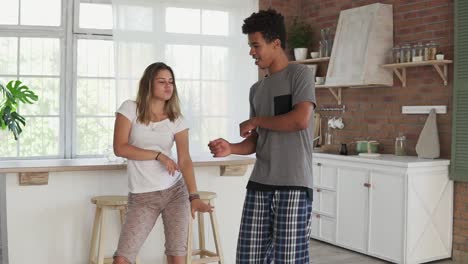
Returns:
point(375, 113)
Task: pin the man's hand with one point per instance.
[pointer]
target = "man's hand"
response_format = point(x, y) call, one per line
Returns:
point(247, 127)
point(220, 147)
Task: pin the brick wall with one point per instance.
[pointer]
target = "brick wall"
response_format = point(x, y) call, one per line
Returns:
point(375, 113)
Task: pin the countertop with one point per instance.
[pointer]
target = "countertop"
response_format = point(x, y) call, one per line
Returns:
point(387, 159)
point(48, 165)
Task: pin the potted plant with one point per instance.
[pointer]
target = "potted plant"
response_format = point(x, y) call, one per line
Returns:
point(299, 38)
point(11, 95)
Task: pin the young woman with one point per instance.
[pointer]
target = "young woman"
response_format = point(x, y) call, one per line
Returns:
point(144, 133)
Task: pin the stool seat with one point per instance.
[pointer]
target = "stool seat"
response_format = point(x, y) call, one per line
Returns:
point(110, 200)
point(206, 195)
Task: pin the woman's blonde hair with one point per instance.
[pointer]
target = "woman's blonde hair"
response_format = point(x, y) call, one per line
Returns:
point(145, 95)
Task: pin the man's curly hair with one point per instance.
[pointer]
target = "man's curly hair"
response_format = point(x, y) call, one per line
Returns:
point(268, 22)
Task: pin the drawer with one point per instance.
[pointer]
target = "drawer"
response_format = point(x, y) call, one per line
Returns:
point(324, 202)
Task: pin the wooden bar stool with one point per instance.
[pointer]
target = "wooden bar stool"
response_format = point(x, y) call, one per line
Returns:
point(205, 255)
point(103, 204)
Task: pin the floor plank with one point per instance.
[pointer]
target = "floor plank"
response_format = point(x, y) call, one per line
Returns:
point(324, 253)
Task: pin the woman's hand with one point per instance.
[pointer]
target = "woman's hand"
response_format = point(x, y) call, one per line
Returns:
point(170, 165)
point(198, 205)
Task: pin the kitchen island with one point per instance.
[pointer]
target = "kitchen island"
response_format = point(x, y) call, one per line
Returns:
point(48, 218)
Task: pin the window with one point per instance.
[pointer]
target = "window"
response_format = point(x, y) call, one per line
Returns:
point(213, 72)
point(73, 116)
point(65, 53)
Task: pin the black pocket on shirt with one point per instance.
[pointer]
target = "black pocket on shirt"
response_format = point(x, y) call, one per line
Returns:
point(283, 104)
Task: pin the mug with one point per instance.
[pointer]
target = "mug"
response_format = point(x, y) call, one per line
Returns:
point(319, 80)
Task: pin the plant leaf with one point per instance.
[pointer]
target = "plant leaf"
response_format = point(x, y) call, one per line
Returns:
point(13, 121)
point(21, 92)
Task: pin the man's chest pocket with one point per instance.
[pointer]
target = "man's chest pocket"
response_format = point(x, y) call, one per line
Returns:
point(283, 104)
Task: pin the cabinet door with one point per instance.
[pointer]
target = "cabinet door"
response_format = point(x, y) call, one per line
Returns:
point(323, 228)
point(386, 215)
point(324, 175)
point(352, 208)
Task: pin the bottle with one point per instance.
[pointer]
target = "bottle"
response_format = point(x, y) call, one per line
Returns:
point(400, 146)
point(343, 149)
point(396, 54)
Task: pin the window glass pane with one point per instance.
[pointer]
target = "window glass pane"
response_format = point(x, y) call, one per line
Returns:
point(184, 60)
point(48, 90)
point(182, 20)
point(212, 128)
point(96, 97)
point(214, 63)
point(215, 23)
point(190, 97)
point(134, 18)
point(134, 58)
point(40, 137)
point(39, 56)
point(94, 135)
point(8, 55)
point(10, 10)
point(215, 100)
point(7, 144)
point(128, 89)
point(41, 13)
point(95, 58)
point(98, 16)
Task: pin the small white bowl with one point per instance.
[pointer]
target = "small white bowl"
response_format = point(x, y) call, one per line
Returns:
point(314, 54)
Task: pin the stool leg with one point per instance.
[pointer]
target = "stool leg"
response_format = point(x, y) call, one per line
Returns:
point(102, 237)
point(217, 238)
point(122, 215)
point(201, 233)
point(94, 235)
point(188, 258)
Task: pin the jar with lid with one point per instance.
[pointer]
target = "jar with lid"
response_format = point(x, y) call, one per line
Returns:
point(433, 48)
point(396, 53)
point(406, 53)
point(400, 146)
point(417, 52)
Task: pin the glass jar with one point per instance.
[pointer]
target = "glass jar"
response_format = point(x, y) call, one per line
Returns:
point(400, 146)
point(406, 53)
point(417, 52)
point(396, 54)
point(433, 49)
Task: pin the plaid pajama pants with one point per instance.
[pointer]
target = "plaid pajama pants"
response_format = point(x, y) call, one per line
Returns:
point(275, 227)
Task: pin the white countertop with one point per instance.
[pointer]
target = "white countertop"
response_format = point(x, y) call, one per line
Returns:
point(388, 159)
point(47, 165)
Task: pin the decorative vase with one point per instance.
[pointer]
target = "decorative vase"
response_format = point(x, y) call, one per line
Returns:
point(428, 146)
point(300, 53)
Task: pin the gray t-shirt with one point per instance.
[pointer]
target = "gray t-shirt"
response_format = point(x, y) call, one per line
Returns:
point(283, 158)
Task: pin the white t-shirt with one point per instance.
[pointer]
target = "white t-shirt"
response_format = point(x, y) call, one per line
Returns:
point(150, 175)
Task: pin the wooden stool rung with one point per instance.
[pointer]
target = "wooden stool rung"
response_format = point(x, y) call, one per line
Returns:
point(205, 260)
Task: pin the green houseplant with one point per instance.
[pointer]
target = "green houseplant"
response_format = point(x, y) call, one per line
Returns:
point(11, 95)
point(299, 38)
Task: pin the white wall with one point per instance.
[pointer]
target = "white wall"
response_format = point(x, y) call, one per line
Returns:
point(51, 224)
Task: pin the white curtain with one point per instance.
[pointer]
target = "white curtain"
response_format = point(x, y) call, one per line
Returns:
point(203, 42)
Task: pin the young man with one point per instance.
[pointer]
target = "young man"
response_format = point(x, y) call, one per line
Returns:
point(278, 205)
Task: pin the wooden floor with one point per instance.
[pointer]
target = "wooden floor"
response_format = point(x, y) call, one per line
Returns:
point(323, 253)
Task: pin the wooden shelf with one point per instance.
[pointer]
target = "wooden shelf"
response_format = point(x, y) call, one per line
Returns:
point(310, 61)
point(400, 68)
point(335, 90)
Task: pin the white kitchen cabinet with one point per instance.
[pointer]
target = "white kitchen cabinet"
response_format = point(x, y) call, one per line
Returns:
point(324, 204)
point(352, 213)
point(395, 208)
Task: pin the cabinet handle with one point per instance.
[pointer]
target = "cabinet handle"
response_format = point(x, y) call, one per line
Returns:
point(318, 190)
point(319, 164)
point(318, 216)
point(368, 185)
